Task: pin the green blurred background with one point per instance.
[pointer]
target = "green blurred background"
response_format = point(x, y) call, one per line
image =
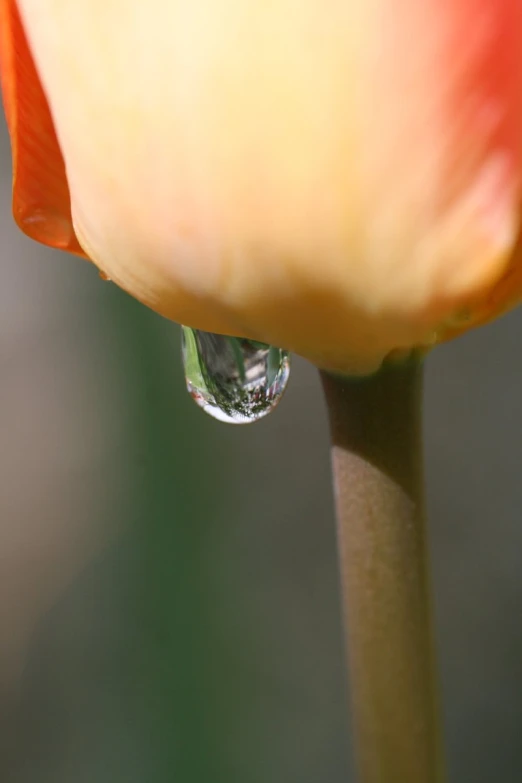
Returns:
point(169, 607)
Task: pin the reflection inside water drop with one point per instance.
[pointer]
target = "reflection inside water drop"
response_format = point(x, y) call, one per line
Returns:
point(233, 379)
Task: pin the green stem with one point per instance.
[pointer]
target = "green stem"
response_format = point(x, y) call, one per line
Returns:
point(378, 478)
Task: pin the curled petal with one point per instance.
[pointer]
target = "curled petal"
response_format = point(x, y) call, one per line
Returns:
point(41, 201)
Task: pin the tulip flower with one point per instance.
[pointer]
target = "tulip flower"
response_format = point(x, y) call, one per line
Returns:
point(337, 177)
point(341, 178)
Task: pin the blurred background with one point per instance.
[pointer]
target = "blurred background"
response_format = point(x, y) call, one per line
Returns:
point(169, 606)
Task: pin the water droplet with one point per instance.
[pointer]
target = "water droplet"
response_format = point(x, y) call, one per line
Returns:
point(104, 275)
point(233, 379)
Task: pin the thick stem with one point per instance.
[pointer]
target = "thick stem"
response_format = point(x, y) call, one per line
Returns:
point(378, 478)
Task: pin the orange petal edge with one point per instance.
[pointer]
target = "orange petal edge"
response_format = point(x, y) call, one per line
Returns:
point(41, 199)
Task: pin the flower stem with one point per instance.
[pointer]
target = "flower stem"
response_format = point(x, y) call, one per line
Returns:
point(375, 427)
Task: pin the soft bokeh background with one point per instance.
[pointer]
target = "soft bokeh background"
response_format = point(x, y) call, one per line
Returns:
point(168, 587)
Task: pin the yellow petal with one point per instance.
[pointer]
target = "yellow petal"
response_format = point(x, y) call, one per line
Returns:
point(338, 177)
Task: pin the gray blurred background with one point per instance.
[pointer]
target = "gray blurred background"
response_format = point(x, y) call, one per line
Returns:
point(168, 586)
